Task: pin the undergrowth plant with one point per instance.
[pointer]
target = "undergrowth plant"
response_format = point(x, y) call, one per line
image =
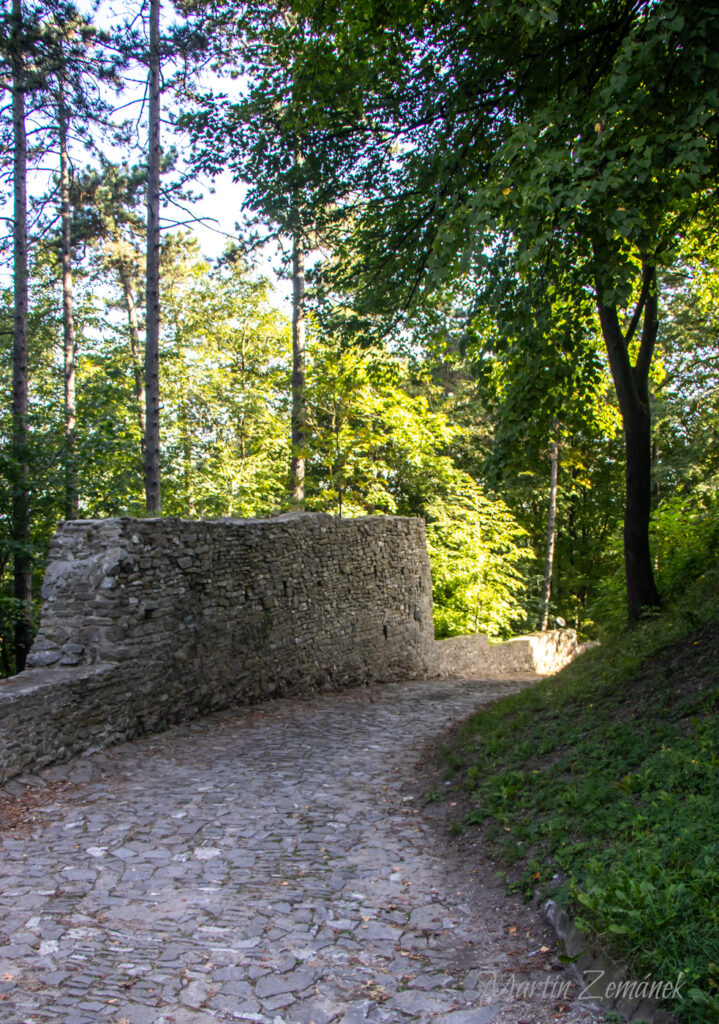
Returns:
point(600, 787)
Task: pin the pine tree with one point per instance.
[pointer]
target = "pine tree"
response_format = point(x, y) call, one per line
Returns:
point(20, 46)
point(264, 139)
point(78, 63)
point(152, 303)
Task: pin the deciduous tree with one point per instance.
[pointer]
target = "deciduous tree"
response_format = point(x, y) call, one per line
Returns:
point(586, 131)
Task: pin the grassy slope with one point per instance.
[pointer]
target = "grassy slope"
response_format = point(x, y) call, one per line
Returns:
point(601, 786)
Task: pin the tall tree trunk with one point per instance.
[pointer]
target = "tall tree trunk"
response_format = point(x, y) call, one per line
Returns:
point(187, 469)
point(22, 565)
point(68, 317)
point(135, 349)
point(299, 398)
point(337, 466)
point(632, 386)
point(551, 534)
point(152, 327)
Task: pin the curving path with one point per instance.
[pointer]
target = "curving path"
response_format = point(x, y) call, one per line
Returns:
point(272, 864)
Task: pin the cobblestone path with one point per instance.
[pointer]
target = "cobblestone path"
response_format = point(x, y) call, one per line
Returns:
point(274, 865)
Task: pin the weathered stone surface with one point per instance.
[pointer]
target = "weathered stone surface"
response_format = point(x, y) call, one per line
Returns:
point(150, 622)
point(472, 656)
point(108, 914)
point(460, 655)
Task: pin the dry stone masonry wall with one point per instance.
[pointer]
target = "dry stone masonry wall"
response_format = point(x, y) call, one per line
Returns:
point(540, 653)
point(150, 622)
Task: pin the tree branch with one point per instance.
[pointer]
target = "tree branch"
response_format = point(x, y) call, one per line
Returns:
point(633, 323)
point(649, 327)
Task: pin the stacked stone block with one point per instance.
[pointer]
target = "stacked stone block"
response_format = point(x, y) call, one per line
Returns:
point(150, 622)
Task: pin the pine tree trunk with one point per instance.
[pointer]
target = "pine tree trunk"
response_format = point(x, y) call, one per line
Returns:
point(551, 535)
point(152, 336)
point(187, 468)
point(135, 349)
point(68, 318)
point(22, 564)
point(337, 466)
point(632, 387)
point(299, 398)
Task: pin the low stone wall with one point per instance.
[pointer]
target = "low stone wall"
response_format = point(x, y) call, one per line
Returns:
point(473, 656)
point(150, 622)
point(462, 657)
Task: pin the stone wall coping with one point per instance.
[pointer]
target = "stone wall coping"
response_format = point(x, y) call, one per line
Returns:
point(35, 680)
point(284, 517)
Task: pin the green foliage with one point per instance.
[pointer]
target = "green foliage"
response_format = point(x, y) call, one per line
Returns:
point(479, 557)
point(472, 211)
point(383, 439)
point(225, 376)
point(371, 440)
point(508, 402)
point(686, 407)
point(109, 444)
point(225, 380)
point(43, 453)
point(540, 392)
point(553, 155)
point(685, 532)
point(685, 539)
point(380, 443)
point(600, 786)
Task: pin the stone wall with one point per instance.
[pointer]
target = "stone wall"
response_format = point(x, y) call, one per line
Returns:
point(473, 656)
point(150, 622)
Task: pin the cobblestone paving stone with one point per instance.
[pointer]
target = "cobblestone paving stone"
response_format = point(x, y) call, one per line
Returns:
point(271, 865)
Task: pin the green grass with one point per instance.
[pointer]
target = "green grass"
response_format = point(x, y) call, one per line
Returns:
point(600, 787)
